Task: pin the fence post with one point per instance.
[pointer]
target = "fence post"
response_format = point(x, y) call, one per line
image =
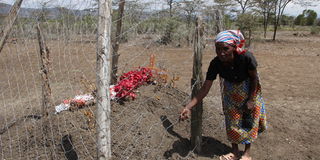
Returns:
point(196, 83)
point(103, 81)
point(46, 90)
point(219, 28)
point(115, 54)
point(44, 71)
point(219, 21)
point(10, 19)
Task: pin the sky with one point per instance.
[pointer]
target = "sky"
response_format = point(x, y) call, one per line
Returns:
point(292, 9)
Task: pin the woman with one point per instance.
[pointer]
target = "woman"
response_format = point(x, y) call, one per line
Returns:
point(242, 102)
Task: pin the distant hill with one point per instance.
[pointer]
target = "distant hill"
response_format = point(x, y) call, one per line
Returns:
point(4, 8)
point(51, 13)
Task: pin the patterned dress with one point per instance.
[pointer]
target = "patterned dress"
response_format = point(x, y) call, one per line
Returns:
point(242, 127)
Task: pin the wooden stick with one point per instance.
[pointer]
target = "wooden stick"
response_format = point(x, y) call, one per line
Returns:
point(10, 19)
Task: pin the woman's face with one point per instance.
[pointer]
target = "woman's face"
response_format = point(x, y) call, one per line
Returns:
point(225, 51)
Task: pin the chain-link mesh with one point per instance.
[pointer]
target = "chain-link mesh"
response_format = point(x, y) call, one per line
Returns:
point(144, 128)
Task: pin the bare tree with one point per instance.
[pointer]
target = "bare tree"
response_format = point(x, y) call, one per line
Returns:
point(245, 4)
point(134, 11)
point(242, 18)
point(279, 7)
point(43, 12)
point(170, 3)
point(190, 7)
point(265, 9)
point(224, 5)
point(166, 38)
point(67, 20)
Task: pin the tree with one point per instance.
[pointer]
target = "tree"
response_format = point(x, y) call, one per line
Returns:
point(245, 4)
point(190, 7)
point(134, 13)
point(308, 17)
point(279, 7)
point(224, 4)
point(43, 13)
point(166, 39)
point(287, 20)
point(247, 22)
point(67, 20)
point(170, 3)
point(243, 19)
point(311, 17)
point(300, 20)
point(264, 7)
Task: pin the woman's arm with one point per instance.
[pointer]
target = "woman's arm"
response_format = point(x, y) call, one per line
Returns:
point(253, 82)
point(202, 93)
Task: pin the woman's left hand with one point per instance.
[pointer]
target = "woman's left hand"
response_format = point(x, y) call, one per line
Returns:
point(250, 104)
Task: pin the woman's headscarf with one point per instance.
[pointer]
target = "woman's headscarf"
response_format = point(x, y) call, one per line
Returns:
point(233, 37)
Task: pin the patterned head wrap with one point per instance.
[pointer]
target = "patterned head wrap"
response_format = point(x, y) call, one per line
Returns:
point(233, 37)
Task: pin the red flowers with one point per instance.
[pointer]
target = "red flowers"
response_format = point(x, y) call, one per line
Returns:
point(130, 81)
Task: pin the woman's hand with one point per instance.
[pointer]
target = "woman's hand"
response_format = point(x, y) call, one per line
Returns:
point(250, 104)
point(185, 114)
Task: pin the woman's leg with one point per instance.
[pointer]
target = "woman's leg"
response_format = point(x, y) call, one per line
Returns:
point(246, 155)
point(235, 149)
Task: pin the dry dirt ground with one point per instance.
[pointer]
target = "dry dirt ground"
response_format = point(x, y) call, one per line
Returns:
point(147, 128)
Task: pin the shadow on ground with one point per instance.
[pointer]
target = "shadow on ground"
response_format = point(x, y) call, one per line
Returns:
point(210, 146)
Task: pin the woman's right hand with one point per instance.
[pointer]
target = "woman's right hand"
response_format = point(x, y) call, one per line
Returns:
point(185, 114)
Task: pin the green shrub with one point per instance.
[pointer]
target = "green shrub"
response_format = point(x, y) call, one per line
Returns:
point(315, 30)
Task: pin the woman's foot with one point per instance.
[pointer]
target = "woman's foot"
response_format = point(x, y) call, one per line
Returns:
point(229, 156)
point(246, 157)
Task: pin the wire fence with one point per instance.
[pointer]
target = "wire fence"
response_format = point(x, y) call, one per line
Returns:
point(144, 128)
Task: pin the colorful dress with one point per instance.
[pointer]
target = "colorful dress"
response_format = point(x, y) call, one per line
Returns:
point(234, 97)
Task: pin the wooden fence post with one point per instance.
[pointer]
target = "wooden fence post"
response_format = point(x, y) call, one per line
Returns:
point(9, 20)
point(46, 90)
point(44, 71)
point(219, 21)
point(219, 28)
point(115, 54)
point(196, 83)
point(103, 81)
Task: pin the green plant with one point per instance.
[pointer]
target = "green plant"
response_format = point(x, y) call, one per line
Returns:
point(315, 30)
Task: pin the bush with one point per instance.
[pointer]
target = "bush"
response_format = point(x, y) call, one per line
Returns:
point(315, 30)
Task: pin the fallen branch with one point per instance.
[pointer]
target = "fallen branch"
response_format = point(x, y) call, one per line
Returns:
point(14, 122)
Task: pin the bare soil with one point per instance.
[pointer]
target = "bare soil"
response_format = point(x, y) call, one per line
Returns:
point(147, 127)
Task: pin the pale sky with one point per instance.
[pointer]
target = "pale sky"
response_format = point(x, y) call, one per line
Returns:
point(292, 9)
